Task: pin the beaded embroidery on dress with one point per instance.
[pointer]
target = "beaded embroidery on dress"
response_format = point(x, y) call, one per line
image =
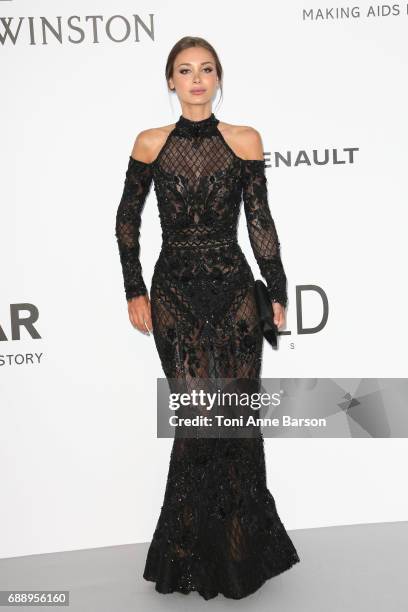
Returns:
point(218, 530)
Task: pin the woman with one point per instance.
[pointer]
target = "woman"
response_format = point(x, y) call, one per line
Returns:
point(218, 530)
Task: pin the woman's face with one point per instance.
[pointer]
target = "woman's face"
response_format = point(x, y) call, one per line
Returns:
point(194, 76)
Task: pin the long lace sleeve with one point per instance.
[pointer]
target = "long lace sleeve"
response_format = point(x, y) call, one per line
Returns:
point(261, 229)
point(127, 229)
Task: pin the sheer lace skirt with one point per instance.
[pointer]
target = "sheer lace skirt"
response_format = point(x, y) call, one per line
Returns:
point(218, 529)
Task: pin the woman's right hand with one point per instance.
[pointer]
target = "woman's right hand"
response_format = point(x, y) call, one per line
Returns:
point(140, 314)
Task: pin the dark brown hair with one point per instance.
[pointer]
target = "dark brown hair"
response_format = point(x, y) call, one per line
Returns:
point(185, 43)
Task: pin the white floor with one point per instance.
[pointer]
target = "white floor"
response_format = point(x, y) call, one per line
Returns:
point(361, 568)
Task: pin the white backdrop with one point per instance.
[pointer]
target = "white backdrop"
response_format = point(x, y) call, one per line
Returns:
point(80, 462)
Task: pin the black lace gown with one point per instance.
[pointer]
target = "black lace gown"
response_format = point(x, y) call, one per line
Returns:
point(218, 529)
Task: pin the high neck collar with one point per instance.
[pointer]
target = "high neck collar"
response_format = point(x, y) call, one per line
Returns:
point(197, 128)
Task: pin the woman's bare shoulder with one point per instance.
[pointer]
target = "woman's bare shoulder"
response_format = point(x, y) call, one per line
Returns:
point(149, 142)
point(244, 140)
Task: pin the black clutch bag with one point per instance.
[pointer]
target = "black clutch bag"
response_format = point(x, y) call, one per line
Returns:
point(265, 312)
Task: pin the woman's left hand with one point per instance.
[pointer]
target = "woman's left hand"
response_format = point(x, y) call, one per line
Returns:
point(278, 314)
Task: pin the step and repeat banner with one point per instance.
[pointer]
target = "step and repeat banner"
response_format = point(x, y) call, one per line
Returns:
point(81, 463)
